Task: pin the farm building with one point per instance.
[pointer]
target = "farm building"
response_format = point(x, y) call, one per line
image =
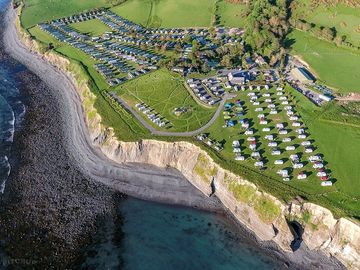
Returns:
point(302, 75)
point(237, 77)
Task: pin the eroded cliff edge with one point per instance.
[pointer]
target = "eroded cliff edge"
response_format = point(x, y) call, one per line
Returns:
point(260, 212)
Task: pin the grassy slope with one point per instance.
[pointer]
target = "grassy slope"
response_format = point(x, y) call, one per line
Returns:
point(327, 60)
point(137, 11)
point(168, 13)
point(164, 91)
point(36, 11)
point(345, 19)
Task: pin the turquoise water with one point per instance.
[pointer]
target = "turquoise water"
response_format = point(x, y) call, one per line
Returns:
point(155, 236)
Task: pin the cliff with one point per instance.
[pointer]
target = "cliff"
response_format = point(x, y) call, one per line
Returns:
point(260, 212)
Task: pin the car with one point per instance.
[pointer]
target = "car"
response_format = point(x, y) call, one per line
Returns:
point(286, 179)
point(301, 176)
point(318, 165)
point(272, 144)
point(240, 158)
point(286, 140)
point(298, 165)
point(259, 164)
point(306, 143)
point(314, 158)
point(326, 184)
point(236, 143)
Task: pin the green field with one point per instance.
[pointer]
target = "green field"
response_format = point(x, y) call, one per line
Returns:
point(345, 19)
point(164, 91)
point(229, 134)
point(37, 11)
point(231, 15)
point(337, 67)
point(92, 27)
point(329, 138)
point(168, 13)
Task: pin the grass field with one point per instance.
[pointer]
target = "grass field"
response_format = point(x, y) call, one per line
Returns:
point(231, 15)
point(337, 67)
point(36, 11)
point(229, 134)
point(92, 27)
point(329, 138)
point(164, 91)
point(168, 13)
point(345, 19)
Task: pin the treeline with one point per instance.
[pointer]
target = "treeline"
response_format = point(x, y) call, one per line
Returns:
point(237, 1)
point(266, 28)
point(349, 3)
point(327, 33)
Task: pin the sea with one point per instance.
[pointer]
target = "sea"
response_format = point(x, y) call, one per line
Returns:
point(143, 235)
point(12, 110)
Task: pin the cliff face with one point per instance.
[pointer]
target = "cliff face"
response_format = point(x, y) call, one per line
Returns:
point(260, 212)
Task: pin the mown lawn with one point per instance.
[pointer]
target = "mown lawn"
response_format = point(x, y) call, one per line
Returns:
point(337, 67)
point(168, 13)
point(92, 27)
point(37, 11)
point(329, 138)
point(229, 134)
point(231, 15)
point(165, 91)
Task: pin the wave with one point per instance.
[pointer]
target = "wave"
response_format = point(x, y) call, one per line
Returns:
point(5, 169)
point(12, 112)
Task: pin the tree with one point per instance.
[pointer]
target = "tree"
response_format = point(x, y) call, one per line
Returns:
point(187, 39)
point(178, 47)
point(226, 61)
point(195, 46)
point(205, 68)
point(328, 33)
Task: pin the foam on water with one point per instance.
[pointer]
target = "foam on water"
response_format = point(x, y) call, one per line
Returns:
point(12, 111)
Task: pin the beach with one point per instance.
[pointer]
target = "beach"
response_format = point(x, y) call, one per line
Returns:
point(65, 183)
